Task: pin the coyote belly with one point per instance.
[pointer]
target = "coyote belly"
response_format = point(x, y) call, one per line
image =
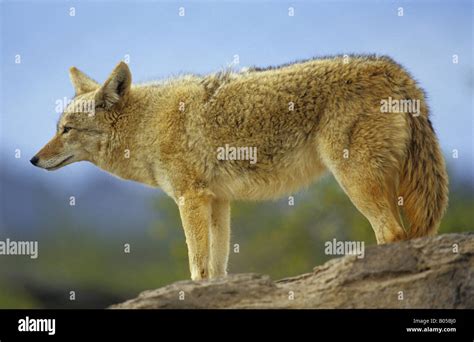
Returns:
point(263, 134)
point(300, 169)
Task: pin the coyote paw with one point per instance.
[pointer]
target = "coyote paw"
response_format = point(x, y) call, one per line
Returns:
point(199, 274)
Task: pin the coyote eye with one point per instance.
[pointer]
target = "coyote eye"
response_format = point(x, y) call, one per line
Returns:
point(66, 129)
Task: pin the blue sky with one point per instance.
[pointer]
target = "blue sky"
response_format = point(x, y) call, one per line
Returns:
point(161, 44)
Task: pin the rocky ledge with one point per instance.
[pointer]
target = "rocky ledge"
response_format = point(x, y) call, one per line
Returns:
point(433, 272)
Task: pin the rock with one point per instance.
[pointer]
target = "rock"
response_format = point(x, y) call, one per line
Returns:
point(422, 273)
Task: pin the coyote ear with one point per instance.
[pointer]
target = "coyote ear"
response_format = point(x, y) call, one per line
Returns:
point(116, 88)
point(81, 82)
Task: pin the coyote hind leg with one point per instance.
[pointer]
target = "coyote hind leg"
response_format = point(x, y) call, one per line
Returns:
point(376, 201)
point(364, 153)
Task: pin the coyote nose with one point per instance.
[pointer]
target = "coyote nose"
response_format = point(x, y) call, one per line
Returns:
point(34, 160)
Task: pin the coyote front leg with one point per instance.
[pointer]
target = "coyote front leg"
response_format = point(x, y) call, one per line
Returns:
point(195, 212)
point(220, 238)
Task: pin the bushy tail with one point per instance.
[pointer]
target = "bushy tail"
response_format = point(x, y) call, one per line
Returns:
point(424, 181)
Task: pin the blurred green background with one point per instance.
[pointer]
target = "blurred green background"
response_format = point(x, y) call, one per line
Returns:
point(273, 238)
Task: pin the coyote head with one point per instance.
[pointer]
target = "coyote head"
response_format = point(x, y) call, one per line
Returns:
point(87, 124)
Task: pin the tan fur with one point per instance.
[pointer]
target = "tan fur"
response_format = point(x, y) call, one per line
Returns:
point(173, 129)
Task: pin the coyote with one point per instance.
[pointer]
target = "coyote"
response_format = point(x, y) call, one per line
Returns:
point(260, 134)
